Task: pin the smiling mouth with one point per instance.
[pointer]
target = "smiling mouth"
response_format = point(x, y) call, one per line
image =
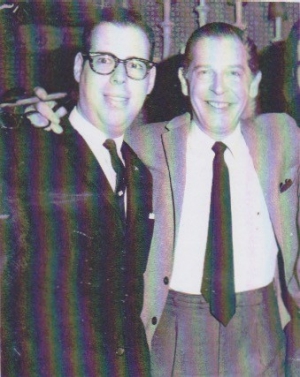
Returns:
point(218, 105)
point(117, 100)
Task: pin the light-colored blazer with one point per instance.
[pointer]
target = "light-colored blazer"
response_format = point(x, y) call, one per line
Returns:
point(274, 144)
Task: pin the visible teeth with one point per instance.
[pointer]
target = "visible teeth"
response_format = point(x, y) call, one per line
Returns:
point(117, 99)
point(219, 105)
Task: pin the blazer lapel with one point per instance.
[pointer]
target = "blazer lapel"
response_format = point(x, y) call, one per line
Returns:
point(175, 141)
point(257, 149)
point(266, 162)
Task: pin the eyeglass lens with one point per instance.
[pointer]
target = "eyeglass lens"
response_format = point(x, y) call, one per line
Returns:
point(105, 64)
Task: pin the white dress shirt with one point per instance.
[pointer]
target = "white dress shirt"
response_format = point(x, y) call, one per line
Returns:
point(254, 243)
point(95, 139)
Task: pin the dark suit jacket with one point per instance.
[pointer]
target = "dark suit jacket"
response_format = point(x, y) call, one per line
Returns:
point(72, 283)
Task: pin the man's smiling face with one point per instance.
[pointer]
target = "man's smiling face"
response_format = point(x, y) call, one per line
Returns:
point(219, 83)
point(111, 102)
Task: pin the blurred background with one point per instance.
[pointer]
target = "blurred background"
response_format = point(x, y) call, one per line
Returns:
point(39, 39)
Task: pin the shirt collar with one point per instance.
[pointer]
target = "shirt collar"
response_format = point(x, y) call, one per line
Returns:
point(89, 132)
point(233, 141)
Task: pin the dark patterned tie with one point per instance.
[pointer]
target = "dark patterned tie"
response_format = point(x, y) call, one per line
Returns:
point(119, 168)
point(218, 275)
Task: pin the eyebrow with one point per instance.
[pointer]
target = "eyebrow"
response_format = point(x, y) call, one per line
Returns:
point(111, 54)
point(238, 66)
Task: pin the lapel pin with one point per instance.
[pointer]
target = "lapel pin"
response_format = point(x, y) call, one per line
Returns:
point(284, 186)
point(120, 193)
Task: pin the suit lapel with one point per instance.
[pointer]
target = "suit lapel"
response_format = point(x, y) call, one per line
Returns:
point(175, 145)
point(86, 165)
point(133, 182)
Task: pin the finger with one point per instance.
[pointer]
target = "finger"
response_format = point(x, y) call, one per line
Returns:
point(46, 111)
point(56, 128)
point(40, 93)
point(61, 111)
point(37, 119)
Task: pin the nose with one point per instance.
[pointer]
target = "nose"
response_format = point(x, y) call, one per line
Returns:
point(119, 74)
point(218, 84)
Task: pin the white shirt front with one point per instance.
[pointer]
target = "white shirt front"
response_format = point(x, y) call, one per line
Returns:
point(254, 243)
point(95, 139)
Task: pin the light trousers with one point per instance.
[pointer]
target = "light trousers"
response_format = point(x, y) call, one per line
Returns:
point(190, 342)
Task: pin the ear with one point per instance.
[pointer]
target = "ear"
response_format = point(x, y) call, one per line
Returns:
point(151, 79)
point(255, 85)
point(183, 82)
point(78, 66)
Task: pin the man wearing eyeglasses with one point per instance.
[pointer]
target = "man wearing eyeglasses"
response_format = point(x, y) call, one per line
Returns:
point(78, 220)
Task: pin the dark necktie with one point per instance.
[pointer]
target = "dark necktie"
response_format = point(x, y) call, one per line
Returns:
point(119, 168)
point(218, 275)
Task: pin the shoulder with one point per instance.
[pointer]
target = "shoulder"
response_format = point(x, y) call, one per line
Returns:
point(277, 122)
point(274, 127)
point(146, 140)
point(152, 131)
point(137, 135)
point(277, 132)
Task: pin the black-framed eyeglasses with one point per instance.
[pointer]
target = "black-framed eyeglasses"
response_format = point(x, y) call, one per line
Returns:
point(104, 63)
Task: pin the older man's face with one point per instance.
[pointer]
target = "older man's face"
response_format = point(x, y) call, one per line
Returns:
point(219, 83)
point(111, 102)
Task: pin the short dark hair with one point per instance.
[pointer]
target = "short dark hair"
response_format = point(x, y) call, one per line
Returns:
point(117, 16)
point(291, 62)
point(222, 29)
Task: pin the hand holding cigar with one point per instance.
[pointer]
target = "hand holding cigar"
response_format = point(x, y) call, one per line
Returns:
point(42, 110)
point(33, 100)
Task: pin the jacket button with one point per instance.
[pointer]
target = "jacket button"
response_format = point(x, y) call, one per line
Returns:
point(166, 280)
point(120, 351)
point(154, 321)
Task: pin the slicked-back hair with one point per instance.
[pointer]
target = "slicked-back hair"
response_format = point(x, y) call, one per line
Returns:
point(117, 16)
point(221, 30)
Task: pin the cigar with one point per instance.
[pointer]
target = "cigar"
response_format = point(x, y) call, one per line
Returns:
point(33, 100)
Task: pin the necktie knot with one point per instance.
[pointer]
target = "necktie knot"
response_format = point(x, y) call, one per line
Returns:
point(110, 144)
point(219, 148)
point(116, 163)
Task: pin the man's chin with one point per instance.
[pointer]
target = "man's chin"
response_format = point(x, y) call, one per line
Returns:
point(117, 128)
